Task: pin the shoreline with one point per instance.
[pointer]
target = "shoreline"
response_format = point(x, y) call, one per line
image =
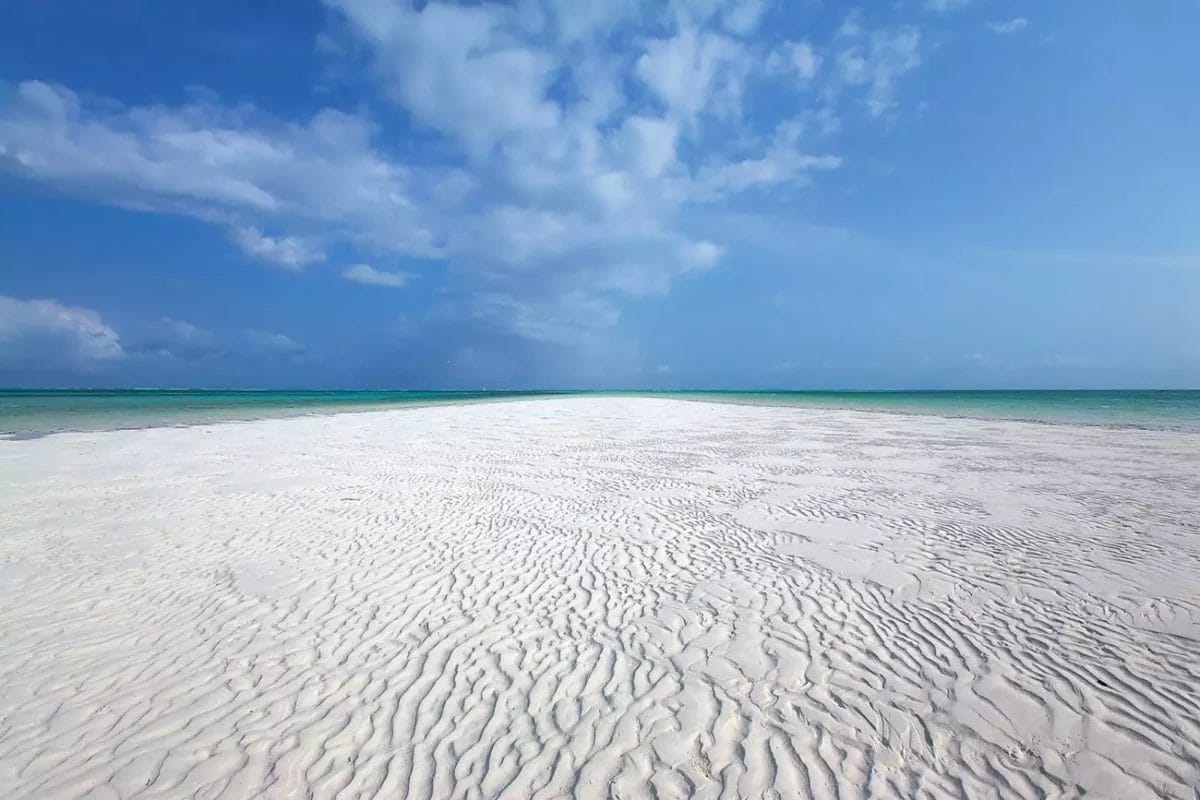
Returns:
point(736, 399)
point(1189, 428)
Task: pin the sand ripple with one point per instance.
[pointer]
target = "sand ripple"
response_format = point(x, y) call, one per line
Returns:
point(611, 598)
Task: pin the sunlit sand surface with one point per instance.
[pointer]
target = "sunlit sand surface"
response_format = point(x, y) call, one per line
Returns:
point(601, 597)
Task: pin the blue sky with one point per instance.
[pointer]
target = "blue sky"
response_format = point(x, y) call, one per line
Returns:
point(372, 193)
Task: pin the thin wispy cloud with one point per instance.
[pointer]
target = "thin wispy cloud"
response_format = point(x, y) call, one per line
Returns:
point(172, 338)
point(365, 273)
point(946, 6)
point(268, 345)
point(1007, 27)
point(875, 60)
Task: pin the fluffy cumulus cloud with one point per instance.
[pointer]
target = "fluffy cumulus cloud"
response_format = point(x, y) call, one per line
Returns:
point(43, 334)
point(545, 154)
point(458, 69)
point(232, 165)
point(695, 71)
point(46, 339)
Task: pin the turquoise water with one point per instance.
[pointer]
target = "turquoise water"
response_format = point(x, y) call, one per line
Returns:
point(1172, 409)
point(26, 413)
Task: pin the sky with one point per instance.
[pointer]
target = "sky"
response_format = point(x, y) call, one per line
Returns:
point(912, 194)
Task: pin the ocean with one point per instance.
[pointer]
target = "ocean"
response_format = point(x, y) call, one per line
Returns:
point(1164, 409)
point(25, 413)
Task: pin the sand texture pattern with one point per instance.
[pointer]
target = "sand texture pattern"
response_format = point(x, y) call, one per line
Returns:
point(601, 598)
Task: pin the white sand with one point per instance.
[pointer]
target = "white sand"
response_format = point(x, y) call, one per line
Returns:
point(601, 598)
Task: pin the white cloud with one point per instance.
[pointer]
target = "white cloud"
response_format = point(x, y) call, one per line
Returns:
point(876, 60)
point(695, 71)
point(455, 69)
point(782, 163)
point(558, 147)
point(649, 144)
point(175, 338)
point(797, 59)
point(229, 165)
point(288, 252)
point(49, 338)
point(571, 318)
point(365, 273)
point(743, 17)
point(778, 166)
point(575, 22)
point(1005, 27)
point(946, 6)
point(259, 344)
point(46, 333)
point(700, 255)
point(186, 332)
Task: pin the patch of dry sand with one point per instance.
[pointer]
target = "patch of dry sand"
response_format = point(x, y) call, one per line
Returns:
point(601, 597)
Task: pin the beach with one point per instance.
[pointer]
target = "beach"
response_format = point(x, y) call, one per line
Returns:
point(601, 597)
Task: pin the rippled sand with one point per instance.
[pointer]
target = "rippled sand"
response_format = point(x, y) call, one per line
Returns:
point(601, 597)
